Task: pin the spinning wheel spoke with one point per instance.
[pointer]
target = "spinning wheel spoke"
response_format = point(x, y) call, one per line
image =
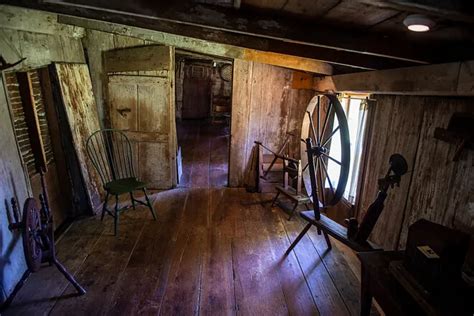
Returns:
point(336, 161)
point(330, 136)
point(326, 119)
point(319, 119)
point(323, 164)
point(320, 182)
point(316, 136)
point(304, 168)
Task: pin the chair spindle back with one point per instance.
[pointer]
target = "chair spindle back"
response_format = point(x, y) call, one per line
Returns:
point(111, 154)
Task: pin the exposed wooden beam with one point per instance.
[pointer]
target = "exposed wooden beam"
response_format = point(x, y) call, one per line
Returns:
point(202, 46)
point(356, 50)
point(21, 19)
point(268, 27)
point(451, 79)
point(290, 31)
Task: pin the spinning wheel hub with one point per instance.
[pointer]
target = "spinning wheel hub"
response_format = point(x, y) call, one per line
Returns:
point(319, 150)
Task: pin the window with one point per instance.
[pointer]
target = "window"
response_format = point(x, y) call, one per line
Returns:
point(355, 107)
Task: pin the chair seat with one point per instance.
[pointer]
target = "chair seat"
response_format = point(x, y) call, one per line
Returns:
point(125, 185)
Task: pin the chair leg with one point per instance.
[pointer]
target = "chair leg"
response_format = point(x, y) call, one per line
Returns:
point(116, 218)
point(293, 211)
point(149, 204)
point(133, 201)
point(297, 240)
point(275, 198)
point(104, 207)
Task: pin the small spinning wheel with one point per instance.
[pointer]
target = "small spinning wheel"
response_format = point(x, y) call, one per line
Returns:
point(326, 136)
point(32, 241)
point(36, 227)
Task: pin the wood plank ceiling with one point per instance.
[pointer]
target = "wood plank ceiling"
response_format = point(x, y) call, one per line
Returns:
point(352, 35)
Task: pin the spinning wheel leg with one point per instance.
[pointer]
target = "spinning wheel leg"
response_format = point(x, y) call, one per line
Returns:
point(275, 198)
point(297, 240)
point(69, 277)
point(293, 211)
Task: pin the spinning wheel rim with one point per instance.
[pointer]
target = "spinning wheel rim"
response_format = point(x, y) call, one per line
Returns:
point(308, 130)
point(32, 227)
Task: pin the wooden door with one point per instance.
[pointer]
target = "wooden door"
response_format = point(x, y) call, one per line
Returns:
point(140, 101)
point(77, 116)
point(196, 92)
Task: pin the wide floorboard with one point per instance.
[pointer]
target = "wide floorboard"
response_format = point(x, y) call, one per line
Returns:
point(213, 251)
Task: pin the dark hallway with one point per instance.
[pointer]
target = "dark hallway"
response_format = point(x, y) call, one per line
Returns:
point(205, 154)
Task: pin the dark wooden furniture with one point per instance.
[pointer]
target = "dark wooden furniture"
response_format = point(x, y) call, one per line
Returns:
point(111, 154)
point(328, 227)
point(355, 236)
point(378, 282)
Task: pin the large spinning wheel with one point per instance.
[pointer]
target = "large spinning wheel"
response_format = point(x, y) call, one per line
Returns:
point(327, 145)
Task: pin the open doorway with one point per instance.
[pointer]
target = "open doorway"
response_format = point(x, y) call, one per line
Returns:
point(203, 111)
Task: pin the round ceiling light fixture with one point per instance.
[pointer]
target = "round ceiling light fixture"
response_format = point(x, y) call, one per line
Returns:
point(418, 23)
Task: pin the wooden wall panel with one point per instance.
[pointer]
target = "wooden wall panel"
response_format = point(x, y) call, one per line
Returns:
point(13, 183)
point(264, 107)
point(436, 188)
point(396, 129)
point(442, 190)
point(241, 95)
point(41, 39)
point(96, 43)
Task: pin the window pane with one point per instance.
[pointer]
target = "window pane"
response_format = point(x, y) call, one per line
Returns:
point(355, 109)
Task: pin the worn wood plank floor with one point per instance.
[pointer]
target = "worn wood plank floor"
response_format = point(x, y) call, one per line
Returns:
point(211, 252)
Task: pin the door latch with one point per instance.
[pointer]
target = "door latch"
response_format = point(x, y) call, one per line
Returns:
point(123, 112)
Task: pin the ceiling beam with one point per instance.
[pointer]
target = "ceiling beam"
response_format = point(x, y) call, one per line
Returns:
point(450, 79)
point(356, 50)
point(289, 31)
point(202, 46)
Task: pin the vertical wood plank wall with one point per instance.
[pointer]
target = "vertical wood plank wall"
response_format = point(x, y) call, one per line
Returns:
point(95, 44)
point(264, 107)
point(38, 37)
point(437, 188)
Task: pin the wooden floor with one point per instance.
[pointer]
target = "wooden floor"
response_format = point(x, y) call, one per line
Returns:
point(212, 252)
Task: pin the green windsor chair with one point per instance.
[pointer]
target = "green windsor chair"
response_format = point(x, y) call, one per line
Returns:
point(111, 154)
